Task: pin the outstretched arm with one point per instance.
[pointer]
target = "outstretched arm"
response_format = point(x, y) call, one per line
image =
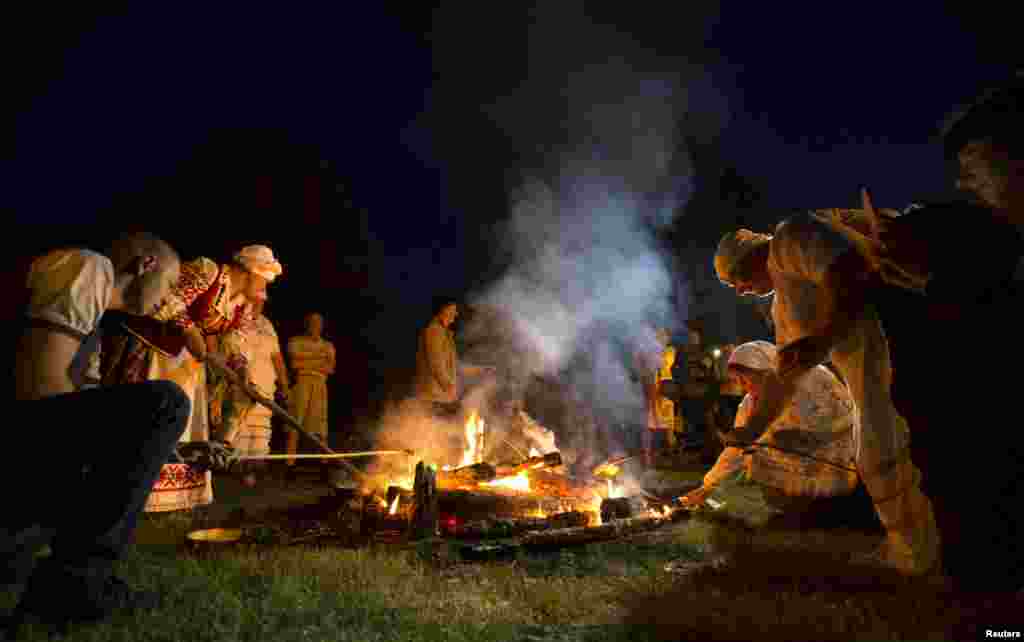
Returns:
point(841, 302)
point(775, 393)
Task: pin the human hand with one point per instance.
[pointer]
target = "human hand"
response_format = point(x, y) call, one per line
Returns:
point(695, 498)
point(218, 360)
point(210, 455)
point(195, 343)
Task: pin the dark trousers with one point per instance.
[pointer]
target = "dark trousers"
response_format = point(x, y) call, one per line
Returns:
point(83, 465)
point(972, 465)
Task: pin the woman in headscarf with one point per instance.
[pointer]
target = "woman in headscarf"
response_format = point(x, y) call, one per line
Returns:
point(808, 451)
point(210, 299)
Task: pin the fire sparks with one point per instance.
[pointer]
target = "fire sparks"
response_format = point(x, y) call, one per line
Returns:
point(474, 440)
point(520, 482)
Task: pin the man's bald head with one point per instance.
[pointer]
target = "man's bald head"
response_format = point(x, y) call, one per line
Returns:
point(146, 269)
point(130, 248)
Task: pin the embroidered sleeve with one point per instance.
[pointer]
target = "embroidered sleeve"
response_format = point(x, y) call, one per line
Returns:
point(197, 276)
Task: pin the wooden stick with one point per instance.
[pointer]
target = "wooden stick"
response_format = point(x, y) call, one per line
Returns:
point(367, 453)
point(233, 377)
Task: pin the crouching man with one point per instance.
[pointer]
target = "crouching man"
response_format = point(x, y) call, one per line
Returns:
point(84, 461)
point(820, 280)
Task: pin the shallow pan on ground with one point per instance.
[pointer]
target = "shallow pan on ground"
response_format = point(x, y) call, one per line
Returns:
point(213, 539)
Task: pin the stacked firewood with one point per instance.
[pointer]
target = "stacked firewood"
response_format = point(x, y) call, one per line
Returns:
point(555, 538)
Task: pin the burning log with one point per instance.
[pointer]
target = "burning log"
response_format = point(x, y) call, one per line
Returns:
point(546, 483)
point(550, 460)
point(512, 527)
point(569, 519)
point(561, 537)
point(614, 508)
point(370, 520)
point(497, 528)
point(398, 499)
point(471, 475)
point(425, 511)
point(481, 505)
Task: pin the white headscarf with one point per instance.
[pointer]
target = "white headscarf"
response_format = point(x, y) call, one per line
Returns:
point(259, 259)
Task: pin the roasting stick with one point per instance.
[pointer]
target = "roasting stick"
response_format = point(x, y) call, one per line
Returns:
point(233, 377)
point(366, 453)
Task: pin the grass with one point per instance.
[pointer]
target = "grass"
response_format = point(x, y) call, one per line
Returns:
point(777, 584)
point(415, 593)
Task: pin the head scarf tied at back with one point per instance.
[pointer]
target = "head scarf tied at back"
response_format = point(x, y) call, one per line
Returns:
point(259, 259)
point(733, 248)
point(755, 355)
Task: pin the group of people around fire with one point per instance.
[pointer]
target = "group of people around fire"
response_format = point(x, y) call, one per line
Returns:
point(873, 293)
point(861, 290)
point(170, 357)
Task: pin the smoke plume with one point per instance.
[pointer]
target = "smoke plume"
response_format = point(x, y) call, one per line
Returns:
point(588, 278)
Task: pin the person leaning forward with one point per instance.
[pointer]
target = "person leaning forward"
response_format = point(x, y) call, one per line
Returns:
point(971, 255)
point(820, 281)
point(95, 483)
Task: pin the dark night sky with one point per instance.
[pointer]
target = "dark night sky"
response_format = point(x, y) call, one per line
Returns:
point(814, 102)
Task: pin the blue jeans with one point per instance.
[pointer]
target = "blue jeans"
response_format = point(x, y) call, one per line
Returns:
point(86, 462)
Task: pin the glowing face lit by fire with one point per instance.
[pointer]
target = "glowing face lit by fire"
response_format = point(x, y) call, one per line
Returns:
point(448, 314)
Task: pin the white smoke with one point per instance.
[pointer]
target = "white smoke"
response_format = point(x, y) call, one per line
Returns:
point(588, 276)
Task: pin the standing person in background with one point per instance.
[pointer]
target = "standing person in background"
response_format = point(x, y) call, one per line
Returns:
point(438, 379)
point(313, 360)
point(668, 419)
point(700, 385)
point(646, 366)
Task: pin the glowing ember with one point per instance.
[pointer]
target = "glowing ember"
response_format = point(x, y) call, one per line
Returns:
point(595, 507)
point(537, 512)
point(520, 482)
point(608, 471)
point(613, 491)
point(394, 505)
point(474, 440)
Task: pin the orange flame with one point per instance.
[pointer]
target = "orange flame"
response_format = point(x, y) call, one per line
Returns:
point(520, 482)
point(474, 440)
point(613, 490)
